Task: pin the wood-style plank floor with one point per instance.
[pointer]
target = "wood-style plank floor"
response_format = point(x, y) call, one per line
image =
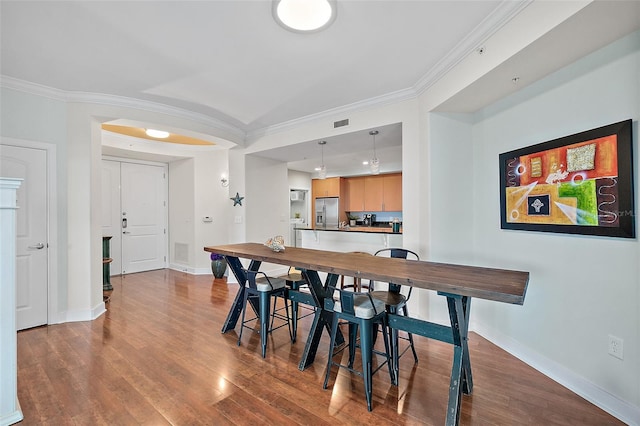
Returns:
point(157, 357)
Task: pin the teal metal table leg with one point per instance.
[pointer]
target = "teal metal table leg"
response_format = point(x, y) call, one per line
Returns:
point(461, 379)
point(321, 319)
point(455, 390)
point(264, 320)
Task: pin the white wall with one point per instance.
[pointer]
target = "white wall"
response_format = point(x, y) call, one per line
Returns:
point(182, 248)
point(211, 199)
point(582, 288)
point(36, 118)
point(299, 180)
point(267, 199)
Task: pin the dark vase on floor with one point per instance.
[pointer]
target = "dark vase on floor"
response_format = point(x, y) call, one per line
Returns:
point(218, 267)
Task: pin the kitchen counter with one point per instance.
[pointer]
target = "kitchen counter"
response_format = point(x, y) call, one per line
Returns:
point(368, 229)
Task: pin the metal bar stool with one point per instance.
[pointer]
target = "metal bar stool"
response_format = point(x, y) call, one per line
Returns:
point(299, 293)
point(263, 288)
point(396, 302)
point(360, 311)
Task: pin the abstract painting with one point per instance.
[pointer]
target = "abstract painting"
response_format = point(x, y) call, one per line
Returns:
point(577, 184)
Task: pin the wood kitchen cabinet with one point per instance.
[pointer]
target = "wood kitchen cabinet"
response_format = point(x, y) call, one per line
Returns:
point(392, 193)
point(355, 194)
point(373, 193)
point(329, 187)
point(377, 193)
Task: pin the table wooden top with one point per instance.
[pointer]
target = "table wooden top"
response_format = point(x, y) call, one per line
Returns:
point(486, 283)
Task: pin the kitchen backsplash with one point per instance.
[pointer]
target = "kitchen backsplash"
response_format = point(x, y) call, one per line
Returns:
point(382, 216)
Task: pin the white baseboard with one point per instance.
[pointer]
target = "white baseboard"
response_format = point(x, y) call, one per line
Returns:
point(16, 416)
point(275, 271)
point(613, 405)
point(183, 268)
point(99, 309)
point(83, 314)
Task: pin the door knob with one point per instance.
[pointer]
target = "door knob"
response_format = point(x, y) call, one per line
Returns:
point(126, 232)
point(38, 246)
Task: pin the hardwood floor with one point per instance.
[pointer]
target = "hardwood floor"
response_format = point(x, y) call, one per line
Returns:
point(158, 357)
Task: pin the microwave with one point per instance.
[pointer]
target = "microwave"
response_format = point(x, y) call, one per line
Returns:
point(297, 195)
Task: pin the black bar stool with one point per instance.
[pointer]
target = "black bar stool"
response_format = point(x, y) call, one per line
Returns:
point(396, 302)
point(260, 288)
point(360, 311)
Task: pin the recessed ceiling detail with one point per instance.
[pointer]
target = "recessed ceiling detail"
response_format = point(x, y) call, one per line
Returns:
point(139, 132)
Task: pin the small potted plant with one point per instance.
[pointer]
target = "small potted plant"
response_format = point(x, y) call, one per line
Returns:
point(218, 265)
point(352, 219)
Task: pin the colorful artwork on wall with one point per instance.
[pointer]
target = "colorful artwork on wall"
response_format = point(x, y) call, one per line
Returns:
point(578, 184)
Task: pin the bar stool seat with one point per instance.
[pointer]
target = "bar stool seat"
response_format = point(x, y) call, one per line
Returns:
point(389, 299)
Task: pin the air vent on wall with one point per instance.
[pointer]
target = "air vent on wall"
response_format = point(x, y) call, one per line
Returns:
point(341, 123)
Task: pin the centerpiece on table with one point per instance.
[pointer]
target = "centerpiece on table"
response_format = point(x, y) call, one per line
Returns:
point(218, 265)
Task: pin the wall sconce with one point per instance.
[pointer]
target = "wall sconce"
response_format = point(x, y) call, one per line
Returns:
point(224, 181)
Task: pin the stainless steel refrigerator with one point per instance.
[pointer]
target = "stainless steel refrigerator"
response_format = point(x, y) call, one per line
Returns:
point(326, 212)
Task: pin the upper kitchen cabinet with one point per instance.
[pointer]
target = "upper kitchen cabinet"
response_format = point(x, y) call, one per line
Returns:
point(355, 194)
point(373, 193)
point(392, 193)
point(329, 187)
point(377, 193)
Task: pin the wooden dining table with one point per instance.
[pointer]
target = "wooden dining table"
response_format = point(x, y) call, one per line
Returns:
point(458, 283)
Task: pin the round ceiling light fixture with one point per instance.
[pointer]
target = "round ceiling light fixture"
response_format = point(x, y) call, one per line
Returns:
point(304, 16)
point(160, 134)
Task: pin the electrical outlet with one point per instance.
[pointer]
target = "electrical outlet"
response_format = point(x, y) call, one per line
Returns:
point(616, 346)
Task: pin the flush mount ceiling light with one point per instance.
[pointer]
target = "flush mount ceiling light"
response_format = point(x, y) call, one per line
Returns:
point(304, 16)
point(322, 171)
point(160, 134)
point(374, 164)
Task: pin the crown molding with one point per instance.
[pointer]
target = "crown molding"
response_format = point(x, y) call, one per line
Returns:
point(32, 88)
point(489, 26)
point(375, 102)
point(228, 131)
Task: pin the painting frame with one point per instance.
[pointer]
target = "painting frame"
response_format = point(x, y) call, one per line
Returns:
point(577, 184)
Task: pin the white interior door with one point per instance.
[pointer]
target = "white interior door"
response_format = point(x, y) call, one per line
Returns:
point(143, 221)
point(32, 246)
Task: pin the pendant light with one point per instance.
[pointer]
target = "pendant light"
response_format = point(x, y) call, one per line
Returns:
point(374, 164)
point(322, 172)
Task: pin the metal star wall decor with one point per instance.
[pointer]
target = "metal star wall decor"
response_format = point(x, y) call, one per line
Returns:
point(237, 200)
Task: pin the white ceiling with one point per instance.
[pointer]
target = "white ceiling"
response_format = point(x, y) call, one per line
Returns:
point(230, 59)
point(231, 62)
